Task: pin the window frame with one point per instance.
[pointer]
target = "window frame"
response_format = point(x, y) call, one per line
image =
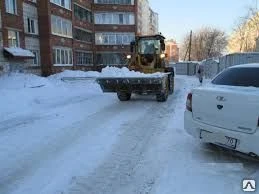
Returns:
point(17, 34)
point(103, 38)
point(8, 6)
point(67, 52)
point(80, 61)
point(37, 57)
point(29, 26)
point(116, 2)
point(59, 3)
point(84, 31)
point(88, 16)
point(60, 25)
point(114, 18)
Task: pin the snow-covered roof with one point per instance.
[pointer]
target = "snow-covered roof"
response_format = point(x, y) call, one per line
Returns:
point(249, 65)
point(19, 52)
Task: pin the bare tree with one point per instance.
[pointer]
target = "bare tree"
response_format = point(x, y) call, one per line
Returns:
point(206, 43)
point(245, 32)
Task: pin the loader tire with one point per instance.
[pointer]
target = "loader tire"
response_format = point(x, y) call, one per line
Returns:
point(123, 96)
point(162, 97)
point(171, 84)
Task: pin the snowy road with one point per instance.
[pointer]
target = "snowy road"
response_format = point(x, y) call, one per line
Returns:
point(91, 143)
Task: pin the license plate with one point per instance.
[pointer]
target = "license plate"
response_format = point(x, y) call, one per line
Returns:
point(218, 139)
point(230, 142)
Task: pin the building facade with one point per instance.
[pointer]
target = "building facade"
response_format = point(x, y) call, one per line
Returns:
point(153, 22)
point(115, 25)
point(143, 17)
point(147, 19)
point(53, 35)
point(172, 51)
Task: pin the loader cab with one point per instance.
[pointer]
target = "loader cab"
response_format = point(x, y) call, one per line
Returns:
point(150, 50)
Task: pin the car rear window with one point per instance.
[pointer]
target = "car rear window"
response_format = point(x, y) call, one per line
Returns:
point(238, 77)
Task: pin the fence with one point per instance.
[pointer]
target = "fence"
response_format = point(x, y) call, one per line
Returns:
point(186, 68)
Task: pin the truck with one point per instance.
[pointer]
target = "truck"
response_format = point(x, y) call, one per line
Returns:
point(147, 56)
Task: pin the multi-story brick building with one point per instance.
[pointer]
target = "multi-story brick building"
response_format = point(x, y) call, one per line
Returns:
point(52, 35)
point(115, 27)
point(172, 50)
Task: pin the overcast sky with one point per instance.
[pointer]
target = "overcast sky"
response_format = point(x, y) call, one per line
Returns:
point(178, 17)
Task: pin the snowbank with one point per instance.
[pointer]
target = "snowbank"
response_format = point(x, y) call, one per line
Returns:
point(125, 72)
point(20, 80)
point(70, 73)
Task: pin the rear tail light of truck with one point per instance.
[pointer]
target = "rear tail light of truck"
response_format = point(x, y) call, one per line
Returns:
point(189, 102)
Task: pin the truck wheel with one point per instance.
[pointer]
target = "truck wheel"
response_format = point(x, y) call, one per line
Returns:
point(123, 96)
point(171, 84)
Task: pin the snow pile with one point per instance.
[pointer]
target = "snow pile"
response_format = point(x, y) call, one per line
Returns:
point(20, 80)
point(70, 73)
point(125, 72)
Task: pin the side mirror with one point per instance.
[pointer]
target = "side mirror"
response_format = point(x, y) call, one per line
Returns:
point(132, 45)
point(163, 46)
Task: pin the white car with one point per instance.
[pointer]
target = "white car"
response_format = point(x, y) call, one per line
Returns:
point(226, 111)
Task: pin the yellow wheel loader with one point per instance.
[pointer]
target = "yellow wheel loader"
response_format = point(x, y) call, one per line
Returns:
point(147, 56)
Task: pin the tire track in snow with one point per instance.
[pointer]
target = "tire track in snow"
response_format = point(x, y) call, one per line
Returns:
point(30, 160)
point(121, 169)
point(22, 120)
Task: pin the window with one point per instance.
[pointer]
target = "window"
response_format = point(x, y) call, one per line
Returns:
point(63, 3)
point(110, 38)
point(84, 58)
point(82, 35)
point(115, 18)
point(62, 56)
point(82, 14)
point(121, 2)
point(13, 38)
point(31, 26)
point(238, 77)
point(61, 26)
point(11, 6)
point(110, 59)
point(36, 60)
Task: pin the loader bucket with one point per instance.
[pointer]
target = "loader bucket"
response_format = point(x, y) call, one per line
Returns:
point(141, 85)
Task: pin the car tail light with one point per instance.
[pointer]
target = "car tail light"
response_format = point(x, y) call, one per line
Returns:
point(189, 102)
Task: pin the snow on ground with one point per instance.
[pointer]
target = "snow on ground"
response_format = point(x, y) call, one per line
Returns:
point(69, 138)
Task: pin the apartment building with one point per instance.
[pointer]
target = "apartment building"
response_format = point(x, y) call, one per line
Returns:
point(143, 17)
point(115, 27)
point(153, 22)
point(66, 35)
point(15, 34)
point(53, 35)
point(147, 19)
point(172, 50)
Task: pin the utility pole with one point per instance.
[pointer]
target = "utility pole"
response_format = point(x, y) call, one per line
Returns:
point(190, 46)
point(190, 51)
